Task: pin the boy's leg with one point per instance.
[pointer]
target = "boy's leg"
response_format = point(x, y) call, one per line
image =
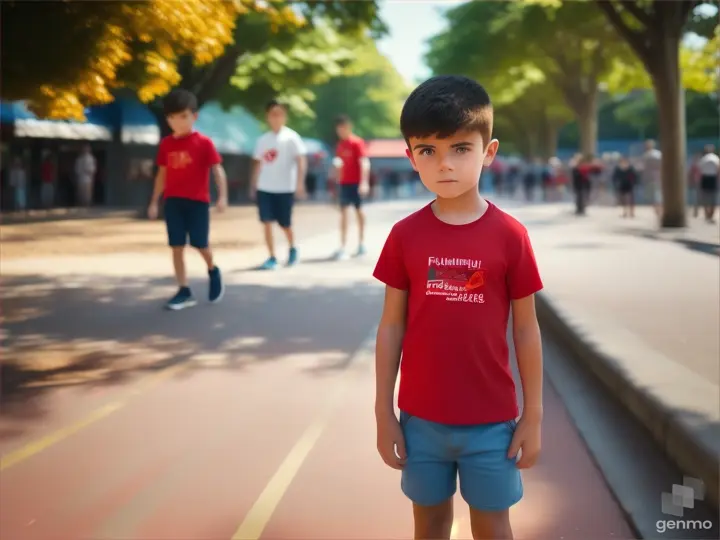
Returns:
point(490, 482)
point(345, 201)
point(357, 202)
point(199, 232)
point(283, 207)
point(177, 228)
point(429, 478)
point(267, 217)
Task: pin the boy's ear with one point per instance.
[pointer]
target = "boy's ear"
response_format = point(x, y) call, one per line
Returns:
point(490, 152)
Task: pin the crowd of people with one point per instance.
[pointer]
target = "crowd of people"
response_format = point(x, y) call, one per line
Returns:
point(613, 178)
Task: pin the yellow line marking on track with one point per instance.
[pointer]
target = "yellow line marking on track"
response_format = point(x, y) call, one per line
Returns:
point(35, 447)
point(259, 515)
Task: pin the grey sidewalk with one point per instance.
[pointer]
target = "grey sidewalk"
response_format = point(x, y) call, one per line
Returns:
point(642, 308)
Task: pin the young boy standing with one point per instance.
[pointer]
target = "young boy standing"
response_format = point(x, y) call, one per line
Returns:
point(352, 173)
point(453, 270)
point(185, 159)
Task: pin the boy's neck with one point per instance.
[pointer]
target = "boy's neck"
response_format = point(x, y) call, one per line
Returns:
point(466, 208)
point(179, 135)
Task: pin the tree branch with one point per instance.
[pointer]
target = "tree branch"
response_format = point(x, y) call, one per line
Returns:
point(639, 13)
point(637, 40)
point(218, 74)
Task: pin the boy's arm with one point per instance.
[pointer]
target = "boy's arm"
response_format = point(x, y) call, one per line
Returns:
point(528, 349)
point(159, 185)
point(221, 183)
point(388, 348)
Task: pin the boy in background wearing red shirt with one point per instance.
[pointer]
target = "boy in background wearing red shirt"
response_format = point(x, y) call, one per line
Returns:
point(352, 173)
point(185, 159)
point(452, 271)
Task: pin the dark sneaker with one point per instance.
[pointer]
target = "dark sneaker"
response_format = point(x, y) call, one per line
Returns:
point(217, 288)
point(293, 256)
point(183, 299)
point(270, 264)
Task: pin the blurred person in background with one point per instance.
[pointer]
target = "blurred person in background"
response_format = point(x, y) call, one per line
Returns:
point(48, 176)
point(85, 169)
point(18, 183)
point(651, 176)
point(624, 180)
point(709, 167)
point(693, 179)
point(278, 178)
point(582, 170)
point(352, 173)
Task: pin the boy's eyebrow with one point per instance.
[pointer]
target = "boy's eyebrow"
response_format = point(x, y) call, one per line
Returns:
point(456, 145)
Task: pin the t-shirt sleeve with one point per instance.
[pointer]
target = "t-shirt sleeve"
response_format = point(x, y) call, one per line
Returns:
point(162, 154)
point(214, 158)
point(259, 149)
point(390, 268)
point(360, 149)
point(523, 278)
point(299, 146)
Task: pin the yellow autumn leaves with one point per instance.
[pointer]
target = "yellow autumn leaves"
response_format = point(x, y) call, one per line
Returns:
point(141, 47)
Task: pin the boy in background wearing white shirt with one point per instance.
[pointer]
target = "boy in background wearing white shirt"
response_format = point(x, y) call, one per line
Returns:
point(278, 177)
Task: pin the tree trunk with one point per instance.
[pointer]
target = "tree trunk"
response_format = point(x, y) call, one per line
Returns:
point(667, 83)
point(587, 119)
point(548, 139)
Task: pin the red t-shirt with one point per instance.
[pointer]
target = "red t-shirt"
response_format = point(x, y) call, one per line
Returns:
point(351, 150)
point(188, 161)
point(455, 365)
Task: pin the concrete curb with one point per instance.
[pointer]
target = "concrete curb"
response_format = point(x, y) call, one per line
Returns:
point(679, 408)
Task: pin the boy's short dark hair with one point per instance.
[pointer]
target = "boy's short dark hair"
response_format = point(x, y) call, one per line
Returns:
point(275, 103)
point(179, 100)
point(445, 105)
point(342, 120)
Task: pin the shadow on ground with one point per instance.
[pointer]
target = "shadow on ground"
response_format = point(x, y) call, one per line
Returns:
point(83, 334)
point(700, 246)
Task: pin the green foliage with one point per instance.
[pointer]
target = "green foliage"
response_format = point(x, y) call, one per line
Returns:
point(370, 91)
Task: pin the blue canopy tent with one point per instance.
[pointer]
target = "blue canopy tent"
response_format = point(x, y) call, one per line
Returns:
point(97, 127)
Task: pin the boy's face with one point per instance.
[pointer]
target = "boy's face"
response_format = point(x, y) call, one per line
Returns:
point(343, 131)
point(452, 166)
point(276, 118)
point(181, 123)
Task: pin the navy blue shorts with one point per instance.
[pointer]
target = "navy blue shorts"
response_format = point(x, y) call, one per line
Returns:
point(350, 195)
point(276, 207)
point(438, 454)
point(186, 218)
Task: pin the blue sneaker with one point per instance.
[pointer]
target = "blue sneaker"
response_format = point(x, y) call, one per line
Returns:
point(360, 251)
point(293, 256)
point(270, 264)
point(182, 299)
point(217, 287)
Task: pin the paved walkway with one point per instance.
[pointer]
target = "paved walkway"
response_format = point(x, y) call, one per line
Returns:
point(662, 286)
point(248, 419)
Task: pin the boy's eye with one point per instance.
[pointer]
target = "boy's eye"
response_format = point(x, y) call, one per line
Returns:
point(426, 152)
point(462, 149)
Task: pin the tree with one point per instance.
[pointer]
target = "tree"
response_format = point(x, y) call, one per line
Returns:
point(569, 44)
point(654, 30)
point(369, 89)
point(97, 47)
point(148, 47)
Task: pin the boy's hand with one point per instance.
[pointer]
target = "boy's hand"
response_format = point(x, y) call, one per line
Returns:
point(364, 189)
point(389, 438)
point(300, 194)
point(527, 439)
point(221, 204)
point(152, 210)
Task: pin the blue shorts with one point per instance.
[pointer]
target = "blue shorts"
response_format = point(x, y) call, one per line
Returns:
point(437, 454)
point(276, 207)
point(350, 195)
point(186, 218)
